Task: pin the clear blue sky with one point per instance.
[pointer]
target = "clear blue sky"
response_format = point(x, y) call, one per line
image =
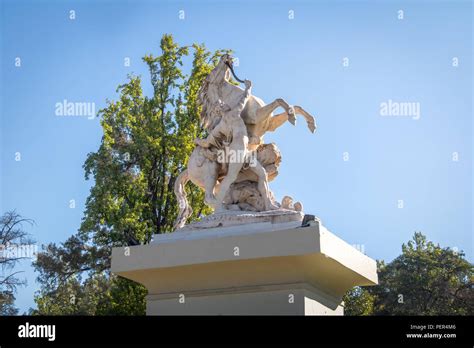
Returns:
point(301, 60)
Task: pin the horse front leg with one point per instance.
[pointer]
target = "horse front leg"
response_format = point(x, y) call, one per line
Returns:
point(307, 116)
point(278, 120)
point(265, 111)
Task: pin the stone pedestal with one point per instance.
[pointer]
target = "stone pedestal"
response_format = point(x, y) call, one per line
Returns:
point(249, 269)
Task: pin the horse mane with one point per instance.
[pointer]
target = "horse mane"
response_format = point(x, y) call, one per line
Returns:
point(209, 100)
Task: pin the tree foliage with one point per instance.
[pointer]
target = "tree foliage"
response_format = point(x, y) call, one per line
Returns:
point(358, 301)
point(100, 294)
point(146, 143)
point(424, 280)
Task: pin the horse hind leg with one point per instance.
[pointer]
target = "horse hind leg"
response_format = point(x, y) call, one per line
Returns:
point(229, 179)
point(209, 186)
point(185, 210)
point(262, 185)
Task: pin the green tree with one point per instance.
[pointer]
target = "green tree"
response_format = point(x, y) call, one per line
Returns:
point(424, 280)
point(146, 143)
point(7, 303)
point(358, 301)
point(97, 295)
point(12, 233)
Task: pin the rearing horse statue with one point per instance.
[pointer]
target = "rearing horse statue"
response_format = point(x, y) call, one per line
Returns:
point(216, 94)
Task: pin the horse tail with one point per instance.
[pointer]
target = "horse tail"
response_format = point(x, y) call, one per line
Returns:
point(185, 210)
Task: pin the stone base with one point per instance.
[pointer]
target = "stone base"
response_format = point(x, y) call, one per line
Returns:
point(245, 218)
point(282, 299)
point(254, 269)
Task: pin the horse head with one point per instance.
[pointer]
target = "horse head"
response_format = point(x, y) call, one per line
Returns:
point(221, 71)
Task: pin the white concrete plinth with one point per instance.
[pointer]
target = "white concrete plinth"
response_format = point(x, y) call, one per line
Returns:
point(254, 269)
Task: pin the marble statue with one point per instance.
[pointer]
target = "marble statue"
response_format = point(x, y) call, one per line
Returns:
point(232, 164)
point(253, 250)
